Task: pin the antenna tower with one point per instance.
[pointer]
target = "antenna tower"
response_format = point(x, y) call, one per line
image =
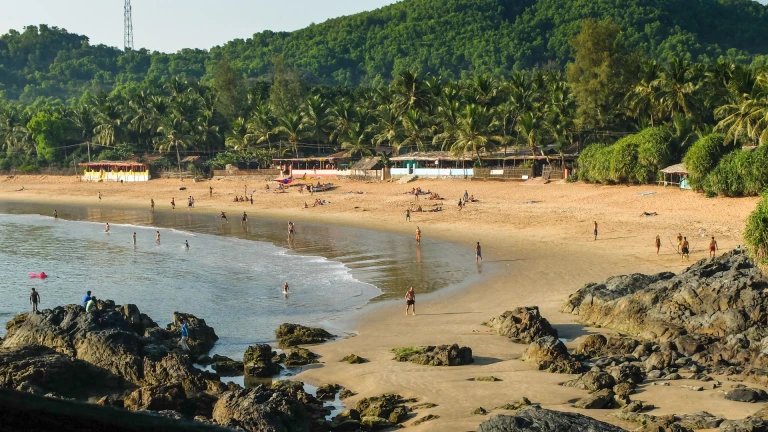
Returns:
point(128, 35)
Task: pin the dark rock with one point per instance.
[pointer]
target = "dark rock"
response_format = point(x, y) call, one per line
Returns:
point(443, 355)
point(523, 324)
point(601, 399)
point(757, 422)
point(516, 406)
point(156, 398)
point(550, 354)
point(328, 392)
point(543, 420)
point(480, 411)
point(423, 405)
point(592, 346)
point(627, 372)
point(261, 409)
point(426, 418)
point(204, 360)
point(346, 393)
point(354, 359)
point(227, 367)
point(175, 368)
point(746, 395)
point(300, 357)
point(201, 336)
point(388, 406)
point(592, 381)
point(43, 370)
point(698, 420)
point(376, 423)
point(257, 361)
point(289, 335)
point(660, 360)
point(486, 379)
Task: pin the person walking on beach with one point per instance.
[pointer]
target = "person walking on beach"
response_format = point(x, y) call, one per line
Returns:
point(418, 235)
point(251, 199)
point(410, 301)
point(152, 204)
point(106, 228)
point(157, 237)
point(34, 299)
point(86, 298)
point(134, 239)
point(658, 244)
point(291, 229)
point(679, 241)
point(245, 219)
point(595, 230)
point(478, 253)
point(712, 247)
point(466, 196)
point(184, 336)
point(210, 191)
point(55, 214)
point(99, 196)
point(224, 217)
point(407, 215)
point(461, 205)
point(173, 203)
point(685, 250)
point(186, 244)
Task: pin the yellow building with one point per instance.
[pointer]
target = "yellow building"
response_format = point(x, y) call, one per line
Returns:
point(105, 171)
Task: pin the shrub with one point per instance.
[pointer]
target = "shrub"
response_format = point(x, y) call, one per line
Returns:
point(595, 163)
point(756, 232)
point(634, 159)
point(739, 173)
point(703, 157)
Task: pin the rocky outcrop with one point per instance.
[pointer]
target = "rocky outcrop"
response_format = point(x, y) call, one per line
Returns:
point(592, 381)
point(156, 398)
point(389, 407)
point(225, 366)
point(757, 422)
point(601, 399)
point(290, 335)
point(443, 355)
point(327, 391)
point(550, 354)
point(258, 361)
point(300, 357)
point(354, 359)
point(523, 325)
point(41, 370)
point(542, 420)
point(746, 394)
point(261, 409)
point(177, 368)
point(201, 336)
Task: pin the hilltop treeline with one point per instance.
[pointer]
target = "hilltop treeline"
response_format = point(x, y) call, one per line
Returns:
point(449, 38)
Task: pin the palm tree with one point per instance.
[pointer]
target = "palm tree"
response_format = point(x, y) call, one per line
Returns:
point(410, 92)
point(316, 119)
point(108, 120)
point(388, 129)
point(341, 117)
point(416, 132)
point(293, 127)
point(261, 125)
point(530, 128)
point(642, 100)
point(175, 134)
point(238, 138)
point(476, 132)
point(82, 117)
point(678, 86)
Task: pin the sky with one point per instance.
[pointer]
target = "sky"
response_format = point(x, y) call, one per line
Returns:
point(170, 25)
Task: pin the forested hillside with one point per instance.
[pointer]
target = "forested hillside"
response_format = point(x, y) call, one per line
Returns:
point(451, 38)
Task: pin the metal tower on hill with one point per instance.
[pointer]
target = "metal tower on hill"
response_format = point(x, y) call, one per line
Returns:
point(128, 35)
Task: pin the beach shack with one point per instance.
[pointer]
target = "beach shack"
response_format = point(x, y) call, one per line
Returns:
point(332, 165)
point(105, 171)
point(432, 164)
point(675, 175)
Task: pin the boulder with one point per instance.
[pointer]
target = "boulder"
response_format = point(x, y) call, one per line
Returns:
point(300, 357)
point(660, 360)
point(550, 354)
point(746, 394)
point(376, 423)
point(628, 373)
point(601, 399)
point(176, 368)
point(261, 409)
point(443, 355)
point(225, 366)
point(257, 361)
point(542, 420)
point(354, 359)
point(523, 325)
point(289, 335)
point(328, 392)
point(592, 381)
point(201, 336)
point(388, 406)
point(592, 346)
point(156, 398)
point(43, 370)
point(757, 422)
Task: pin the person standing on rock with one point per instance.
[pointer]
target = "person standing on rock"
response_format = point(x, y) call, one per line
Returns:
point(658, 244)
point(685, 249)
point(34, 299)
point(184, 336)
point(410, 301)
point(712, 247)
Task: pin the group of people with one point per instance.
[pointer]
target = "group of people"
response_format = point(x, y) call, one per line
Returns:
point(243, 199)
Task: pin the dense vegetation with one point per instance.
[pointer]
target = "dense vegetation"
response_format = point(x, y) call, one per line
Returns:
point(448, 38)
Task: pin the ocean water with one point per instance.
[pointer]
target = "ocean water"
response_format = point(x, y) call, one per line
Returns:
point(231, 276)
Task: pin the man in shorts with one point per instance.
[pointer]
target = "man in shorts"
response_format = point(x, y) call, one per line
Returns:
point(685, 249)
point(712, 247)
point(34, 299)
point(410, 301)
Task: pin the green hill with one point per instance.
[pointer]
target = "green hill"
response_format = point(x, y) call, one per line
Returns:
point(447, 37)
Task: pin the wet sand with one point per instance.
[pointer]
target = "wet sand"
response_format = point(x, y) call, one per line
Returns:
point(538, 248)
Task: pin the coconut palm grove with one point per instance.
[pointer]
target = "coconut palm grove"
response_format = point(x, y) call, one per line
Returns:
point(633, 86)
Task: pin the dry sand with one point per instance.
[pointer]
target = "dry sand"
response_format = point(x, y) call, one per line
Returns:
point(538, 249)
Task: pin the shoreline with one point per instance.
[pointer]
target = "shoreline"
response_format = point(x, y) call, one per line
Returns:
point(537, 244)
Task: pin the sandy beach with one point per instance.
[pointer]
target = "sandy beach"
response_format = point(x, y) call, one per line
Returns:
point(537, 247)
